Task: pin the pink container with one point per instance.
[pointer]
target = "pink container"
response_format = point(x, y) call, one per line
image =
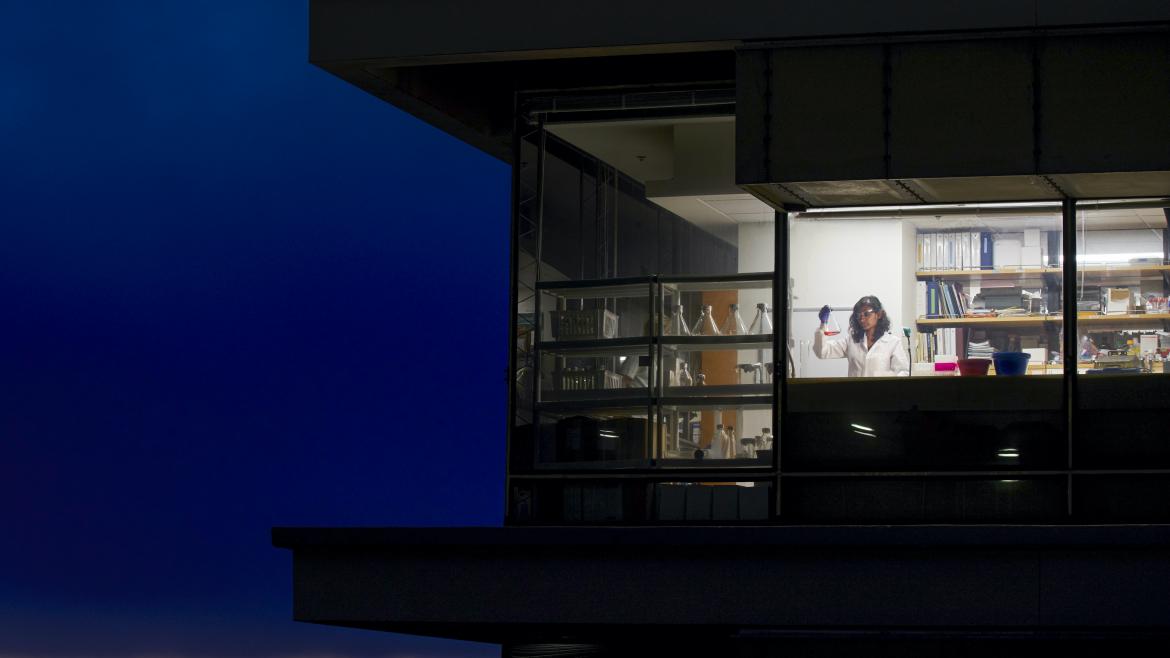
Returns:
point(945, 367)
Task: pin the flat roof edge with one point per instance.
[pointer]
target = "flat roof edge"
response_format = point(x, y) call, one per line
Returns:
point(1112, 536)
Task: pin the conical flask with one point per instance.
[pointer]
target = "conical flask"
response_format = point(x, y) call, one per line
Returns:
point(733, 325)
point(678, 322)
point(762, 323)
point(831, 326)
point(706, 324)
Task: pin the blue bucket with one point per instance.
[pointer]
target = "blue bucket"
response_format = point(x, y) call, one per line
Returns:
point(1011, 363)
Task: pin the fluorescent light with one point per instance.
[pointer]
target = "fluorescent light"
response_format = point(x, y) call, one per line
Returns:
point(1009, 480)
point(1008, 453)
point(941, 206)
point(861, 427)
point(869, 434)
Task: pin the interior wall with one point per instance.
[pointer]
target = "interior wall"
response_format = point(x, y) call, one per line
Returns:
point(909, 313)
point(836, 262)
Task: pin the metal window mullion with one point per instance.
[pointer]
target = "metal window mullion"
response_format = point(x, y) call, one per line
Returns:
point(1069, 293)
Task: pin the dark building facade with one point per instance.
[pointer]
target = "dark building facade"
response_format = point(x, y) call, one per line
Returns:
point(836, 327)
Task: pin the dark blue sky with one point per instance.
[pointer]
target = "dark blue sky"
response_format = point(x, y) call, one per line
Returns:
point(235, 292)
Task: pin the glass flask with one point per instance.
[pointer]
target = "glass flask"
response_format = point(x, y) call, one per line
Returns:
point(678, 322)
point(762, 323)
point(700, 379)
point(684, 375)
point(731, 443)
point(706, 324)
point(733, 325)
point(831, 326)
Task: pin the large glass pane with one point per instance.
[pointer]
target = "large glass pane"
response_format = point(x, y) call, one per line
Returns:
point(716, 386)
point(689, 359)
point(608, 501)
point(914, 500)
point(1123, 280)
point(930, 290)
point(927, 349)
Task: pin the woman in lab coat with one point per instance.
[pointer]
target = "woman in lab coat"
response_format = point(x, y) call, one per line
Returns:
point(870, 347)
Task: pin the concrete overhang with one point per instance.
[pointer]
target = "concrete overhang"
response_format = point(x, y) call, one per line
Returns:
point(457, 64)
point(672, 585)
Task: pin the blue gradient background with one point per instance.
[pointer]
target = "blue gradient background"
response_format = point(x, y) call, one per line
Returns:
point(235, 292)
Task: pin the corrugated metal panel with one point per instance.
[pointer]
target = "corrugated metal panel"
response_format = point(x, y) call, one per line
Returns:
point(961, 108)
point(1104, 103)
point(960, 120)
point(827, 117)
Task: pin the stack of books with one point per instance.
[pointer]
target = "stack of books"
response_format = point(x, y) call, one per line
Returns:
point(979, 350)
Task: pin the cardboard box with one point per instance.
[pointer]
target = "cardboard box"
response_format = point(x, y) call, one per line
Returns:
point(1006, 252)
point(1149, 343)
point(1030, 256)
point(1115, 300)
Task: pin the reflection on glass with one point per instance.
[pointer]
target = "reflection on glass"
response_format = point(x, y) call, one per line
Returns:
point(1123, 280)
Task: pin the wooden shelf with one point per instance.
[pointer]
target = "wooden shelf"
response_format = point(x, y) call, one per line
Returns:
point(975, 275)
point(1024, 272)
point(1129, 319)
point(1000, 323)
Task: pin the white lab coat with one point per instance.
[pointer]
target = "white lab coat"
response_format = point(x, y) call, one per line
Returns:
point(887, 357)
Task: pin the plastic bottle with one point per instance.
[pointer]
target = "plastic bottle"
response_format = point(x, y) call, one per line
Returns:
point(733, 325)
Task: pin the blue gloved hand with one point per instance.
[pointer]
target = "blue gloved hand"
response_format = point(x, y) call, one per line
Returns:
point(824, 314)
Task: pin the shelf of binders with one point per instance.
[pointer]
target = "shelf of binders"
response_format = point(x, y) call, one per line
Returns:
point(1010, 321)
point(975, 275)
point(1012, 273)
point(1006, 322)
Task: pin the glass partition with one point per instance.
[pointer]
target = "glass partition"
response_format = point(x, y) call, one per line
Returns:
point(649, 310)
point(1123, 338)
point(931, 391)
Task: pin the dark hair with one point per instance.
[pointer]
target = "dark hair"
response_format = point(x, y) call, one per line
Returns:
point(883, 324)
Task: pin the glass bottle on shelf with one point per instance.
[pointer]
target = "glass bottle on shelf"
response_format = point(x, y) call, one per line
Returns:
point(733, 325)
point(684, 375)
point(716, 450)
point(765, 442)
point(701, 378)
point(732, 442)
point(678, 322)
point(706, 324)
point(762, 323)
